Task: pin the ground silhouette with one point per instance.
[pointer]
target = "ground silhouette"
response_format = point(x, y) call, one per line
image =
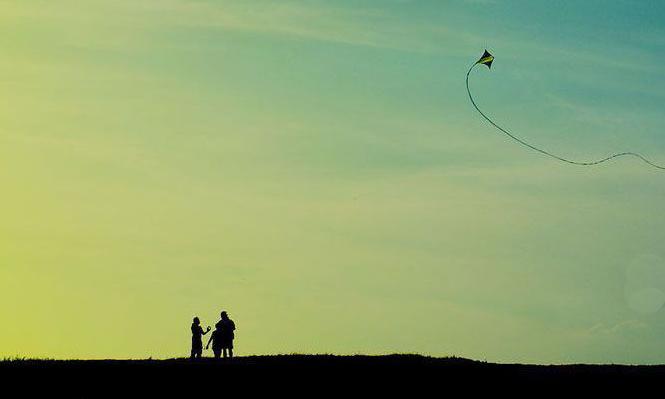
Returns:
point(314, 375)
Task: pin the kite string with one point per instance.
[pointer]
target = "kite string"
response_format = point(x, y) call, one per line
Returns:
point(549, 154)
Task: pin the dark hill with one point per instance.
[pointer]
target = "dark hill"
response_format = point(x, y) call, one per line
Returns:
point(310, 375)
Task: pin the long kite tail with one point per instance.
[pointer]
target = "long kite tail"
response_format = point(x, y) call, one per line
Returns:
point(549, 154)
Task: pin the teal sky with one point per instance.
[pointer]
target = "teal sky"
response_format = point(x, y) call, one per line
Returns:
point(315, 168)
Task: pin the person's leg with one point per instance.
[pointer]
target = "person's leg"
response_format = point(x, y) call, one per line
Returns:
point(197, 348)
point(224, 350)
point(230, 352)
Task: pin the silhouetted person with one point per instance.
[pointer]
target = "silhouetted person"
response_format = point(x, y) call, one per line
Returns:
point(226, 329)
point(197, 333)
point(216, 338)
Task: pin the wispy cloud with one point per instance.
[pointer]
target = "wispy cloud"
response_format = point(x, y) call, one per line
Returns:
point(365, 25)
point(320, 21)
point(613, 329)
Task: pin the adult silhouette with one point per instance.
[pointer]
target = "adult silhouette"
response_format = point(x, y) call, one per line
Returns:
point(197, 333)
point(225, 331)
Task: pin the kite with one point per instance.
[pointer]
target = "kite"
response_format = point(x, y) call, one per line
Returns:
point(487, 59)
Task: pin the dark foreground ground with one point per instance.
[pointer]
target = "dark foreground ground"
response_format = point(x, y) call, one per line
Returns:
point(315, 376)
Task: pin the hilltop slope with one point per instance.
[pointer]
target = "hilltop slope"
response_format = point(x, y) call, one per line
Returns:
point(316, 374)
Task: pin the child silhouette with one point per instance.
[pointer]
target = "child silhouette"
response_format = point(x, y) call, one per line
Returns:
point(216, 338)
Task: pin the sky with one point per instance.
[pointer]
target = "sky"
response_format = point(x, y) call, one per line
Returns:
point(315, 168)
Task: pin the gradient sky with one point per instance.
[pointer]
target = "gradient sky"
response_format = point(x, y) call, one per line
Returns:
point(315, 168)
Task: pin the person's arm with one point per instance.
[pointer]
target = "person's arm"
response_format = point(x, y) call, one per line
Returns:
point(208, 344)
point(206, 331)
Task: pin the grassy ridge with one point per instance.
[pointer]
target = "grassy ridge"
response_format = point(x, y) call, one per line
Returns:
point(313, 373)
